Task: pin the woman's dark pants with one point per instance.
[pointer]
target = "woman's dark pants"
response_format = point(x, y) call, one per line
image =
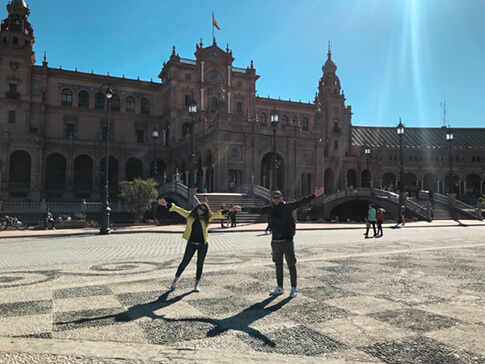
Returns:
point(286, 249)
point(189, 253)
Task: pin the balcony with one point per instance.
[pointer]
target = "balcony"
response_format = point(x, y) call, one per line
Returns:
point(12, 95)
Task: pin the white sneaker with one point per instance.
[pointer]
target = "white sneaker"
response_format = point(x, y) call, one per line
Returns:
point(196, 288)
point(277, 291)
point(293, 292)
point(173, 286)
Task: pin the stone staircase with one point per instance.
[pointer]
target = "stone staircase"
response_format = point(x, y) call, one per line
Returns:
point(216, 200)
point(440, 210)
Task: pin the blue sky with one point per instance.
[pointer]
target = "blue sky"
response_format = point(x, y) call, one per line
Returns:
point(395, 58)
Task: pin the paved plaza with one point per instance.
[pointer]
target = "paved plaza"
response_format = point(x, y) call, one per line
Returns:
point(416, 295)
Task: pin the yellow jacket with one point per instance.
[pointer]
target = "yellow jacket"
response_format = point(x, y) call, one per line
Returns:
point(190, 221)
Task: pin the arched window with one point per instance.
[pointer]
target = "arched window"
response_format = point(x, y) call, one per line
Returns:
point(145, 106)
point(214, 77)
point(115, 103)
point(83, 99)
point(66, 97)
point(294, 121)
point(263, 121)
point(99, 101)
point(130, 104)
point(304, 124)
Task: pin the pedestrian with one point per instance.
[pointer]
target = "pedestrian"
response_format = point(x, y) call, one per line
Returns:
point(283, 228)
point(223, 217)
point(197, 236)
point(380, 220)
point(232, 216)
point(371, 220)
point(49, 220)
point(403, 214)
point(430, 194)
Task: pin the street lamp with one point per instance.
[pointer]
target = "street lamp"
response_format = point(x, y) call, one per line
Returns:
point(367, 153)
point(274, 124)
point(400, 133)
point(192, 112)
point(449, 138)
point(155, 167)
point(108, 91)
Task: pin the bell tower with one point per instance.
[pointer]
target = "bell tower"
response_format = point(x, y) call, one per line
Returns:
point(16, 33)
point(334, 117)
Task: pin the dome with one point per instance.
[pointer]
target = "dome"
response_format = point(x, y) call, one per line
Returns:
point(19, 2)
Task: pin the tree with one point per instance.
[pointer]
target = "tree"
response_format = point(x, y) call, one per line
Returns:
point(138, 196)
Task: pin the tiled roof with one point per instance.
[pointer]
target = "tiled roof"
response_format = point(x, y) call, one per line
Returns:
point(386, 137)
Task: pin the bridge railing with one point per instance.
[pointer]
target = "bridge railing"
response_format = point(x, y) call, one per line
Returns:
point(56, 207)
point(177, 188)
point(253, 189)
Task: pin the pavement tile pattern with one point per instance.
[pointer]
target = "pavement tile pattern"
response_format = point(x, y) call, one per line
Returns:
point(414, 306)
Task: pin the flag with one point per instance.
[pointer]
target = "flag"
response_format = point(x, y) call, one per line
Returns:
point(214, 22)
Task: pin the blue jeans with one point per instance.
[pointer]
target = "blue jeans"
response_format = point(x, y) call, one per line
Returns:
point(190, 250)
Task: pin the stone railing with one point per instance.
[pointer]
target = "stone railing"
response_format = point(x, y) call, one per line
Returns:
point(253, 189)
point(56, 207)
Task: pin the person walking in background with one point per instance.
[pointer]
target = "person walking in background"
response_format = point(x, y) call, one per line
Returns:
point(232, 216)
point(380, 220)
point(49, 220)
point(197, 236)
point(371, 220)
point(283, 228)
point(402, 213)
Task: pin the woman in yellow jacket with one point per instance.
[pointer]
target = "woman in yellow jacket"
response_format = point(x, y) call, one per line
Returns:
point(196, 234)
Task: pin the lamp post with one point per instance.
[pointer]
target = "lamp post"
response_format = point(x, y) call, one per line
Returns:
point(155, 167)
point(274, 124)
point(105, 210)
point(192, 112)
point(449, 138)
point(367, 153)
point(400, 133)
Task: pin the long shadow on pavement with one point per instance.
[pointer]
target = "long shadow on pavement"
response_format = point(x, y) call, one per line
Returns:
point(239, 322)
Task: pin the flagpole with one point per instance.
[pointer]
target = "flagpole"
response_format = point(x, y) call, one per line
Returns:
point(213, 38)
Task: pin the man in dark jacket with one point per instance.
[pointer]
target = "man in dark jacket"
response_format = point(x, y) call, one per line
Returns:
point(283, 229)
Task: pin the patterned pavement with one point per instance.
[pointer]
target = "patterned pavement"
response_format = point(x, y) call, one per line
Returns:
point(417, 295)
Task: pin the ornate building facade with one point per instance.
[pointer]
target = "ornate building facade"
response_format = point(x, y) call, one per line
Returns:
point(54, 128)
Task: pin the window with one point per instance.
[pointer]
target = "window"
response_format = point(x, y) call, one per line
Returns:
point(83, 99)
point(304, 124)
point(104, 133)
point(66, 97)
point(284, 121)
point(187, 100)
point(12, 92)
point(213, 104)
point(335, 144)
point(239, 108)
point(69, 130)
point(145, 106)
point(99, 101)
point(34, 130)
point(130, 104)
point(294, 121)
point(263, 120)
point(140, 136)
point(11, 116)
point(115, 103)
point(15, 40)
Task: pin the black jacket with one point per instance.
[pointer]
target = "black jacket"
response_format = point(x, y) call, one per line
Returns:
point(280, 216)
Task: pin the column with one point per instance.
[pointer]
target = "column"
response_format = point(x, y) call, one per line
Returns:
point(229, 102)
point(204, 171)
point(201, 105)
point(187, 181)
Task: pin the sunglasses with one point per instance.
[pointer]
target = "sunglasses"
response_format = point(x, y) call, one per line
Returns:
point(276, 197)
point(203, 209)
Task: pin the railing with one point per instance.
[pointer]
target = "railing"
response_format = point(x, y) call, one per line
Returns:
point(12, 95)
point(253, 189)
point(57, 207)
point(19, 186)
point(460, 206)
point(237, 69)
point(177, 188)
point(188, 61)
